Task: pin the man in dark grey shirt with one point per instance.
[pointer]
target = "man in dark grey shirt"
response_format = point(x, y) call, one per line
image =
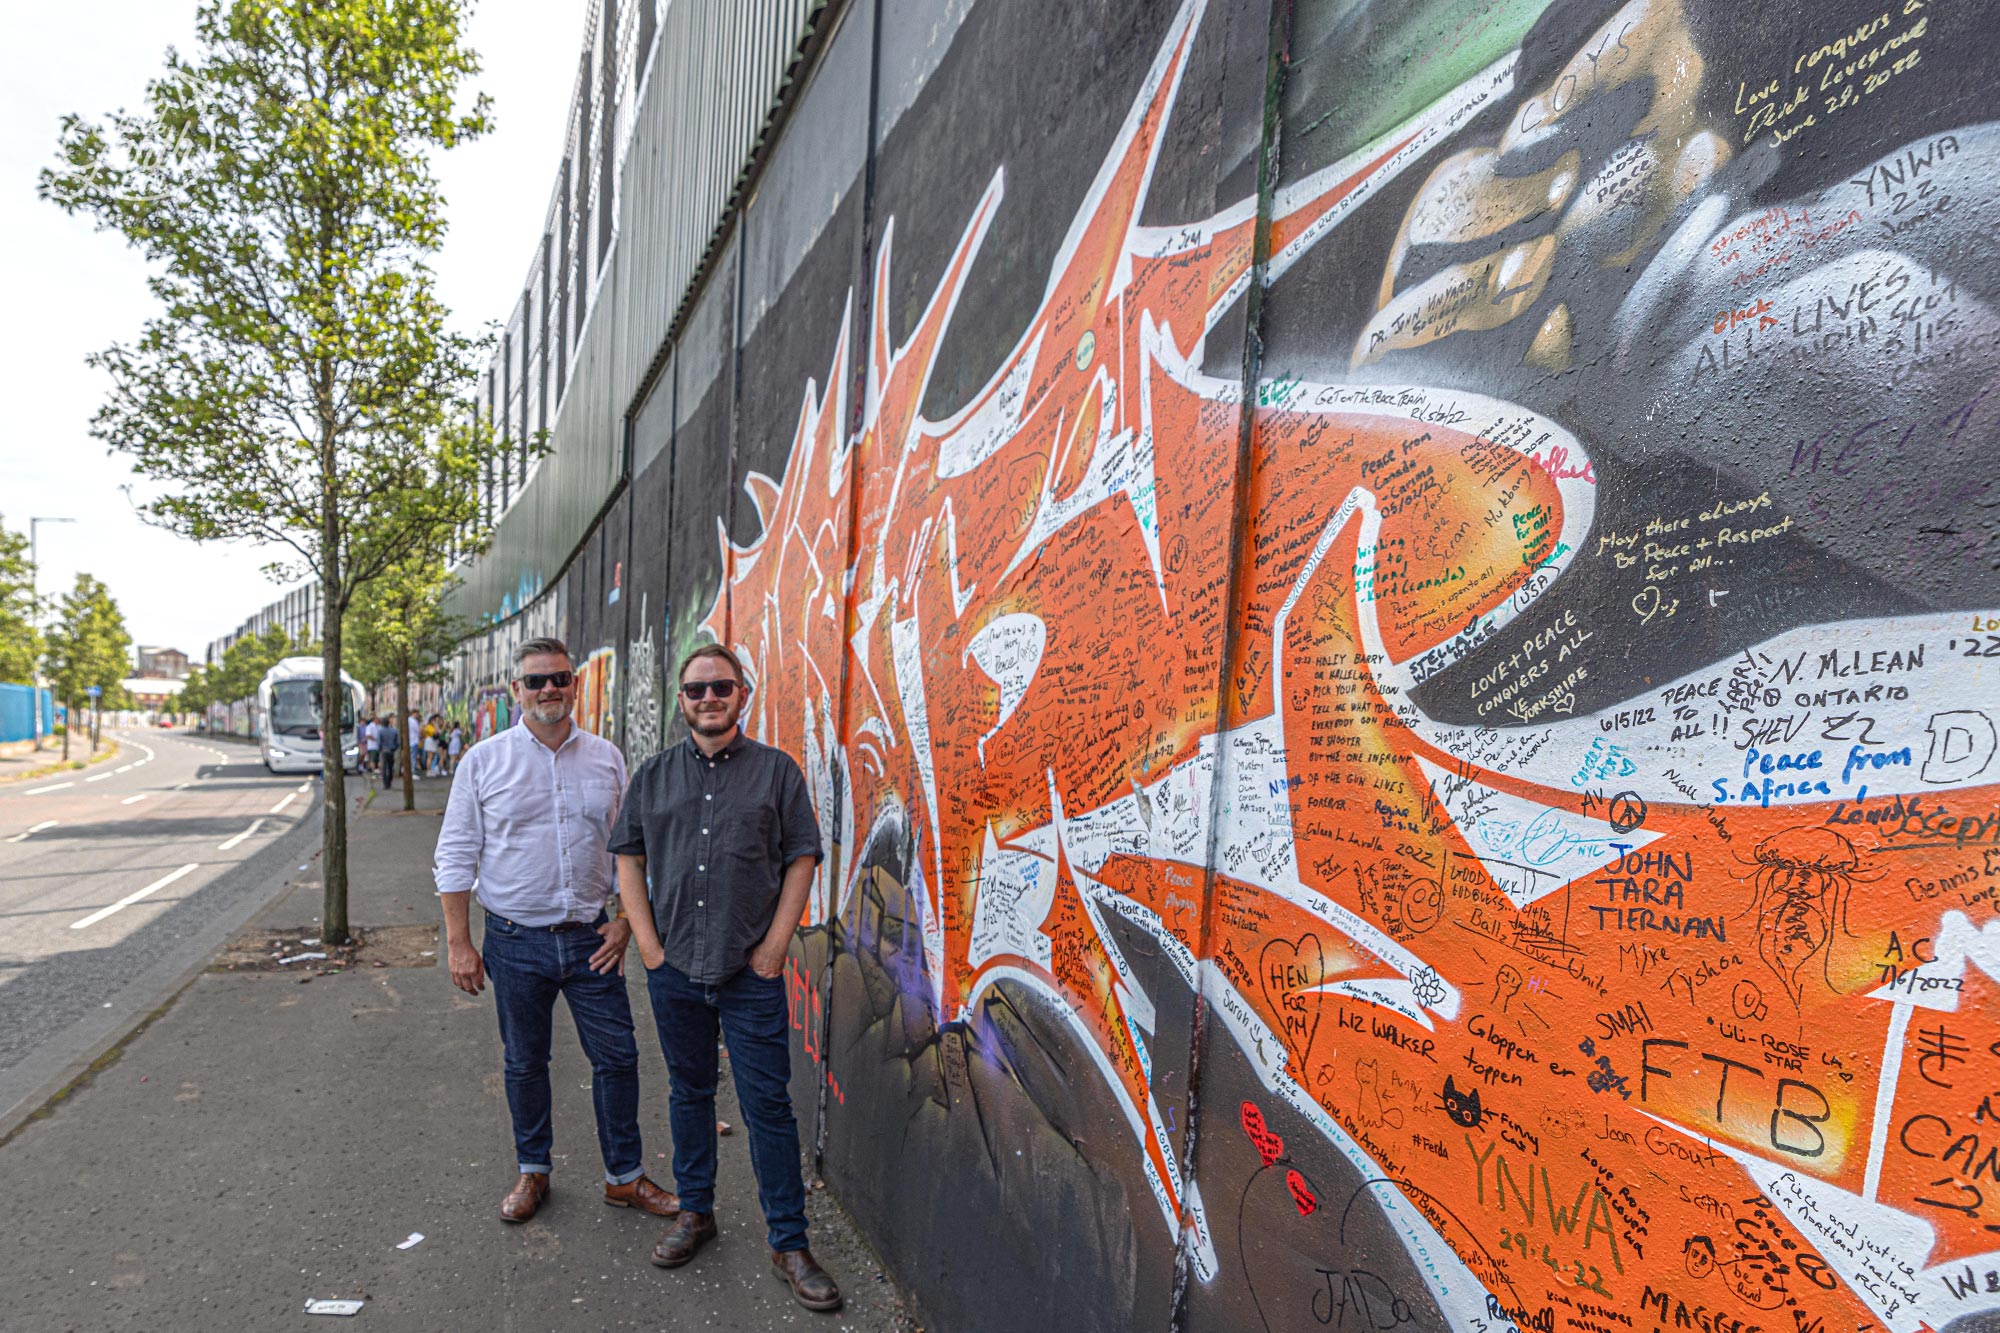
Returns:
point(727, 832)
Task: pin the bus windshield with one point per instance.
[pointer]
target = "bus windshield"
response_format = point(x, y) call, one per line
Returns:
point(296, 709)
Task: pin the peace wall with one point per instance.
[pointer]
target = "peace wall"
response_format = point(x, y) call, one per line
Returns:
point(1391, 614)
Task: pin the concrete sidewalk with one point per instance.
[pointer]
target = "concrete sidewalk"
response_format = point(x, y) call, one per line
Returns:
point(271, 1137)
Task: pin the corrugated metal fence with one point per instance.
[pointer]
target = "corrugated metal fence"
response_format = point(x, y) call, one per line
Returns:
point(629, 233)
point(17, 713)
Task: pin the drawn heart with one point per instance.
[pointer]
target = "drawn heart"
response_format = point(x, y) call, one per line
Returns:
point(1286, 972)
point(1269, 1144)
point(1302, 1195)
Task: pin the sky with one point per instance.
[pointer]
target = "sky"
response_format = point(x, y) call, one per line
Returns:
point(74, 291)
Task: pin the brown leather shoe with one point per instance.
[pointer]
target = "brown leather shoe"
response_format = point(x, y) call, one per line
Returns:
point(526, 1197)
point(644, 1195)
point(811, 1286)
point(689, 1233)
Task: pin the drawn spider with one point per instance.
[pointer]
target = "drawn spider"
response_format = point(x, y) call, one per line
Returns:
point(1804, 879)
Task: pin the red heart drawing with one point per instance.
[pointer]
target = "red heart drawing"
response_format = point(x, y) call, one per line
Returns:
point(1269, 1145)
point(1301, 1195)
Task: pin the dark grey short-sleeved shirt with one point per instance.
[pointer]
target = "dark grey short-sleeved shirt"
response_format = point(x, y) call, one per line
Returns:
point(717, 833)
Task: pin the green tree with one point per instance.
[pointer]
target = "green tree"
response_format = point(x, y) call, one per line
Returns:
point(88, 645)
point(194, 697)
point(20, 642)
point(299, 385)
point(399, 631)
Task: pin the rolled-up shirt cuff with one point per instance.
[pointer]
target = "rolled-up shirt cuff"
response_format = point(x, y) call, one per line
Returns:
point(454, 888)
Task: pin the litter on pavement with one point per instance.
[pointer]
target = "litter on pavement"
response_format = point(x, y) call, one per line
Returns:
point(416, 1239)
point(333, 1307)
point(301, 958)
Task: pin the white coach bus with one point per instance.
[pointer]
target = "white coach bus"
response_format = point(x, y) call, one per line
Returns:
point(290, 701)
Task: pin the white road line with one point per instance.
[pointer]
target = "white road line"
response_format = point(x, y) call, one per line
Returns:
point(306, 786)
point(279, 808)
point(126, 769)
point(140, 797)
point(239, 838)
point(54, 786)
point(23, 836)
point(131, 898)
point(99, 777)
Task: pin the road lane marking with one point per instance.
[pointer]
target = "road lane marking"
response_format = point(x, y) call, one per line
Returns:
point(54, 786)
point(306, 785)
point(279, 808)
point(23, 836)
point(140, 797)
point(131, 898)
point(239, 838)
point(99, 777)
point(128, 768)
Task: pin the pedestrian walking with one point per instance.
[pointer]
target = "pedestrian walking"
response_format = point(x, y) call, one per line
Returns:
point(454, 747)
point(371, 741)
point(390, 743)
point(525, 829)
point(431, 747)
point(413, 730)
point(727, 831)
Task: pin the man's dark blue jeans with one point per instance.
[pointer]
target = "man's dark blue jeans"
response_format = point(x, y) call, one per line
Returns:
point(752, 1016)
point(530, 966)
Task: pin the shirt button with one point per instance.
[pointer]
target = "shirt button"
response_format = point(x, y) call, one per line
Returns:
point(701, 867)
point(708, 798)
point(704, 831)
point(700, 902)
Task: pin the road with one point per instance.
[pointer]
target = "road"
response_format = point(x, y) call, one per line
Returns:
point(117, 881)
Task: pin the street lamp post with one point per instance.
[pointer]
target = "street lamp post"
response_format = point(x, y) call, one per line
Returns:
point(35, 575)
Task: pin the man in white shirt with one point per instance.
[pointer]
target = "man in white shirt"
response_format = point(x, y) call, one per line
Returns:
point(525, 829)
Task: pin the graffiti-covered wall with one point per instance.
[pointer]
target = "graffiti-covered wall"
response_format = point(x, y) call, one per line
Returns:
point(1389, 610)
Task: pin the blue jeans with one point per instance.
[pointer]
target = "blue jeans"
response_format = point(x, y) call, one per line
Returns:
point(752, 1015)
point(530, 966)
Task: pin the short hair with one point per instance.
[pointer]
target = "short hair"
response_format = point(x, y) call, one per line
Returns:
point(712, 650)
point(546, 647)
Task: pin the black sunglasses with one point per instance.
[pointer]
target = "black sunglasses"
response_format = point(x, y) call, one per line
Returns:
point(535, 680)
point(700, 689)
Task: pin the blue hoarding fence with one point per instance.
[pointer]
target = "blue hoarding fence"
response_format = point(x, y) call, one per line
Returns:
point(18, 706)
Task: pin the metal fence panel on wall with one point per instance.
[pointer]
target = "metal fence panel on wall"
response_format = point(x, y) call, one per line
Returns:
point(701, 96)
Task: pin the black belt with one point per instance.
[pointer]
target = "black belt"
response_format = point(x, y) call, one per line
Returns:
point(558, 928)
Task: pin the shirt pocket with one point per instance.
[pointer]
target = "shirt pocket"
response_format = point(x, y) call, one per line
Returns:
point(594, 799)
point(748, 835)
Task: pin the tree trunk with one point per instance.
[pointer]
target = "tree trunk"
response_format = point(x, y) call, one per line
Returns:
point(333, 774)
point(69, 722)
point(403, 725)
point(333, 763)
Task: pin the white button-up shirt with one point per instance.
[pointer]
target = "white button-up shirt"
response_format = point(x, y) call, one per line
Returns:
point(526, 826)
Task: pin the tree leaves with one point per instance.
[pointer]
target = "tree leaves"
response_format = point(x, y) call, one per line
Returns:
point(88, 645)
point(20, 643)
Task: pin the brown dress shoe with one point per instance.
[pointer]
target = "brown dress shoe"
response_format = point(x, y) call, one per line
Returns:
point(811, 1286)
point(526, 1197)
point(689, 1233)
point(644, 1195)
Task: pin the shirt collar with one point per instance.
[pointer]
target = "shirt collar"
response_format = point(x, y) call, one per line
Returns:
point(530, 738)
point(729, 751)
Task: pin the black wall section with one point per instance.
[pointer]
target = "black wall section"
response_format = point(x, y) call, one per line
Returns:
point(1369, 594)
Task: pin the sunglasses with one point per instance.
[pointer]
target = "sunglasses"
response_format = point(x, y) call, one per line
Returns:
point(701, 689)
point(535, 680)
